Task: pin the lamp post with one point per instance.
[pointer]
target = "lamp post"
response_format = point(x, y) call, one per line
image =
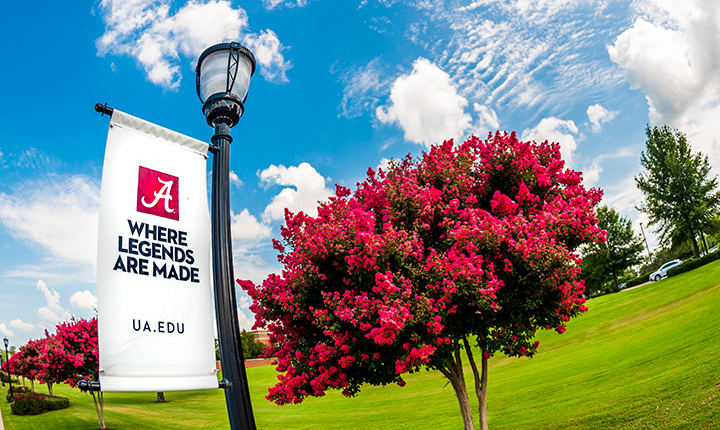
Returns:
point(2, 381)
point(646, 244)
point(222, 79)
point(7, 360)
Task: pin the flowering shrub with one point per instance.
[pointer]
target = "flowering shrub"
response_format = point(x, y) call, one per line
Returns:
point(15, 391)
point(471, 241)
point(33, 404)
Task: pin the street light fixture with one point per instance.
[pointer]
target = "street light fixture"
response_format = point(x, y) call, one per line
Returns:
point(7, 360)
point(2, 381)
point(222, 79)
point(646, 242)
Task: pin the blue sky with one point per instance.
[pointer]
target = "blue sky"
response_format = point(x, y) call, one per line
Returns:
point(341, 86)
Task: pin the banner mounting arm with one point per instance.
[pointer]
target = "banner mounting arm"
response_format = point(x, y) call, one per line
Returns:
point(103, 109)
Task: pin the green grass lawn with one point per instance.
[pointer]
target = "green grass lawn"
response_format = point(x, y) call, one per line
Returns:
point(643, 358)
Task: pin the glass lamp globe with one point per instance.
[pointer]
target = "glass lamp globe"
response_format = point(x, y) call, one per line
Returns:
point(223, 75)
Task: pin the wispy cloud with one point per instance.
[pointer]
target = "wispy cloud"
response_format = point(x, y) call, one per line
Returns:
point(275, 4)
point(22, 325)
point(58, 214)
point(362, 88)
point(268, 52)
point(5, 330)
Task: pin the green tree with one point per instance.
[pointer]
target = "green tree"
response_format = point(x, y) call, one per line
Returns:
point(251, 347)
point(680, 195)
point(606, 261)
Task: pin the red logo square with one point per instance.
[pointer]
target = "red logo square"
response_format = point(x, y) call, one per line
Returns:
point(158, 194)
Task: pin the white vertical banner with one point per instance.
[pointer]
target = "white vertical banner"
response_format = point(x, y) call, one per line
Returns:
point(155, 323)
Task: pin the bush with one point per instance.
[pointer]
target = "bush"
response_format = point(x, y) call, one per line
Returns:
point(54, 403)
point(638, 280)
point(27, 404)
point(16, 391)
point(693, 264)
point(33, 404)
point(6, 378)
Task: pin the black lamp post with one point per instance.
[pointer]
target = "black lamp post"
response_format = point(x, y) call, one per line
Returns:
point(7, 360)
point(223, 77)
point(646, 243)
point(2, 381)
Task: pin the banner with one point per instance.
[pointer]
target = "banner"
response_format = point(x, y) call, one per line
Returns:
point(155, 323)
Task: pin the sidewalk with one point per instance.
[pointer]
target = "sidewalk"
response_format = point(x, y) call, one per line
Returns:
point(2, 427)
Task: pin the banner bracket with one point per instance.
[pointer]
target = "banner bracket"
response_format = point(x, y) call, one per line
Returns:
point(86, 385)
point(103, 109)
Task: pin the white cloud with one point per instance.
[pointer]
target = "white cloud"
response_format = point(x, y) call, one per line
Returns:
point(426, 105)
point(149, 32)
point(244, 302)
point(672, 54)
point(245, 322)
point(52, 313)
point(5, 330)
point(487, 120)
point(245, 227)
point(235, 180)
point(555, 130)
point(268, 53)
point(60, 215)
point(309, 188)
point(22, 325)
point(598, 115)
point(591, 174)
point(83, 300)
point(383, 164)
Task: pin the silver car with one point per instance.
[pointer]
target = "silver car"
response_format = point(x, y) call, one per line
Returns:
point(662, 271)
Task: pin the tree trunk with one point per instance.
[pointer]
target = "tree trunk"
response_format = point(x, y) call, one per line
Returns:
point(99, 409)
point(49, 384)
point(454, 373)
point(32, 385)
point(694, 242)
point(615, 282)
point(480, 383)
point(160, 397)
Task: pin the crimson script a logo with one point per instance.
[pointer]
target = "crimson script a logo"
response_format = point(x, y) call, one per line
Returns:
point(158, 193)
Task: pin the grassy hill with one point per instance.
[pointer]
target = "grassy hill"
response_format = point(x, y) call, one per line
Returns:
point(643, 358)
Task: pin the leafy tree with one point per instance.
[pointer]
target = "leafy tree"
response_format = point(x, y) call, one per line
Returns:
point(680, 196)
point(251, 347)
point(470, 244)
point(606, 261)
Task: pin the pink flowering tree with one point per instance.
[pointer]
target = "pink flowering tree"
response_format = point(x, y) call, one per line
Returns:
point(71, 354)
point(467, 246)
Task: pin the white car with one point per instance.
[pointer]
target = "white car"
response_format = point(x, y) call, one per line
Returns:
point(662, 271)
